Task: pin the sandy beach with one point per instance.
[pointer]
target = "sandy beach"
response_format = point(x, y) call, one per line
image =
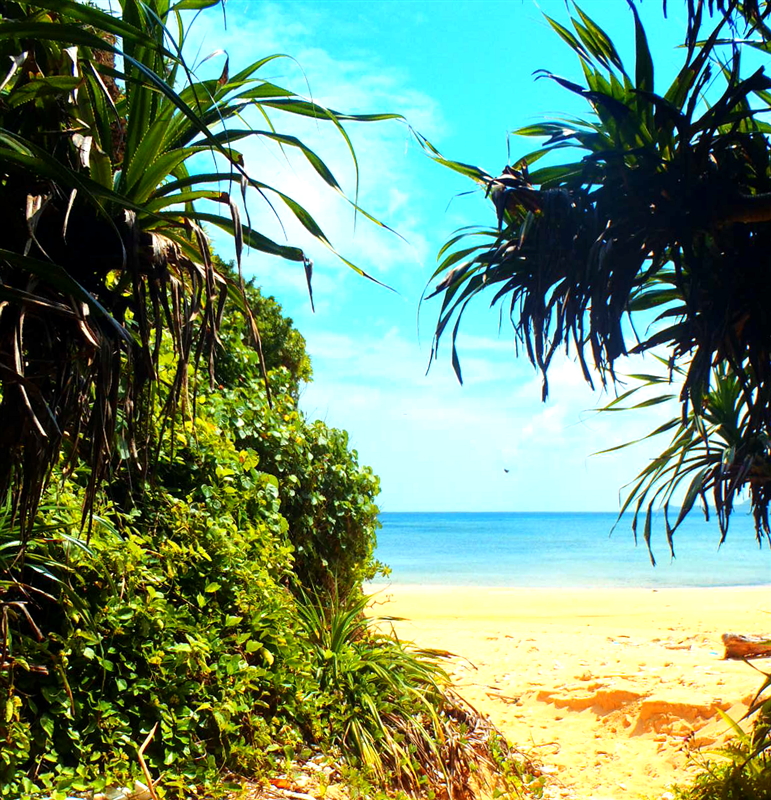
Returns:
point(616, 691)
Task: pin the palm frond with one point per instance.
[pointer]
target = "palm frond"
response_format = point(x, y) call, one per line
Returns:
point(667, 208)
point(104, 243)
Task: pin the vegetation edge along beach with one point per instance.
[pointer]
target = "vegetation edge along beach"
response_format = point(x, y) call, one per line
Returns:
point(182, 551)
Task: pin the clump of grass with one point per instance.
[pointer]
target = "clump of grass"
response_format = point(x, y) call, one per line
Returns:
point(741, 770)
point(391, 711)
point(735, 775)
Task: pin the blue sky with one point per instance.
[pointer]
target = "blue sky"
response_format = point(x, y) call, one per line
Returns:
point(462, 74)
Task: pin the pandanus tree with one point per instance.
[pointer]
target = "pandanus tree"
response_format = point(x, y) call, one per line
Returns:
point(106, 198)
point(661, 217)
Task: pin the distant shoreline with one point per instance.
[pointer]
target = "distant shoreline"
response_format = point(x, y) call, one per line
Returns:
point(564, 549)
point(739, 510)
point(442, 588)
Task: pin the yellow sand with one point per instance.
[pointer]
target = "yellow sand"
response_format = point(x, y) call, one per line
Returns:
point(614, 690)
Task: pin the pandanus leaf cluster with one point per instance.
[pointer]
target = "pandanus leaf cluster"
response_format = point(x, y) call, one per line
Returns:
point(652, 238)
point(115, 162)
point(393, 712)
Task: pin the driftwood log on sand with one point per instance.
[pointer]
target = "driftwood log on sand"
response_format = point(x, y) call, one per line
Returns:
point(739, 646)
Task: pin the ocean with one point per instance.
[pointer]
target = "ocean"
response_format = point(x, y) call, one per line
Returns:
point(571, 550)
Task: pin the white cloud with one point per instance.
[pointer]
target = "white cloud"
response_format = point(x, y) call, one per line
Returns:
point(439, 445)
point(391, 167)
point(490, 444)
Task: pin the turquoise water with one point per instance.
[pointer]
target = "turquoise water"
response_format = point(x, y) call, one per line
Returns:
point(566, 550)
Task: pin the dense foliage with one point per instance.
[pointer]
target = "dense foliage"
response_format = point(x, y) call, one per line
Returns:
point(326, 498)
point(177, 610)
point(217, 610)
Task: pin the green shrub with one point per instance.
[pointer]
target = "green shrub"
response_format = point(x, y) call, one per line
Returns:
point(388, 708)
point(178, 610)
point(283, 346)
point(187, 625)
point(741, 770)
point(327, 498)
point(734, 776)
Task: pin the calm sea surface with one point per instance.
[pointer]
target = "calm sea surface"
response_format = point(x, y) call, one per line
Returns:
point(565, 549)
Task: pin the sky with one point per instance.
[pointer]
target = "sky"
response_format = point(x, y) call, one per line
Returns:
point(461, 73)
